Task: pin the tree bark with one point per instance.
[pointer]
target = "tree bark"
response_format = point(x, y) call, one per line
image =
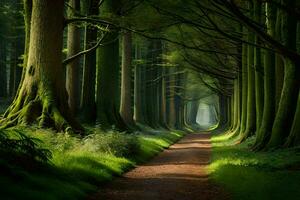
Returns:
point(41, 97)
point(107, 75)
point(88, 101)
point(259, 68)
point(287, 105)
point(264, 133)
point(72, 69)
point(251, 110)
point(125, 108)
point(244, 90)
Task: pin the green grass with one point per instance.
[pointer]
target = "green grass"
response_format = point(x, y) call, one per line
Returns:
point(249, 175)
point(78, 167)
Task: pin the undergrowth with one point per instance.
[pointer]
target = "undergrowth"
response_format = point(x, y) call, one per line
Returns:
point(70, 167)
point(249, 175)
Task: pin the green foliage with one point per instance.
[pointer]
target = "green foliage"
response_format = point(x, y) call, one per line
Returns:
point(115, 143)
point(252, 175)
point(16, 146)
point(80, 165)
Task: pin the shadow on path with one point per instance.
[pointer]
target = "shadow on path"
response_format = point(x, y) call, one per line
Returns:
point(178, 173)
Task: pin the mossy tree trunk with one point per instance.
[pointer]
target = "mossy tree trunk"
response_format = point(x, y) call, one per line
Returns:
point(288, 101)
point(236, 106)
point(237, 99)
point(41, 97)
point(264, 133)
point(244, 80)
point(251, 110)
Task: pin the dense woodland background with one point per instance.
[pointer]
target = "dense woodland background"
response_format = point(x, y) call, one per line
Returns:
point(125, 69)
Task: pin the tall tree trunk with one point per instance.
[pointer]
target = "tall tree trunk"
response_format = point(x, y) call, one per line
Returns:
point(287, 105)
point(279, 60)
point(294, 136)
point(72, 73)
point(163, 101)
point(236, 105)
point(107, 75)
point(223, 111)
point(259, 68)
point(41, 97)
point(88, 104)
point(138, 90)
point(125, 108)
point(251, 110)
point(138, 87)
point(265, 130)
point(192, 112)
point(171, 98)
point(244, 90)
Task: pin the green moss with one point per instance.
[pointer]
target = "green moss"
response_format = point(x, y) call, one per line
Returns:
point(255, 175)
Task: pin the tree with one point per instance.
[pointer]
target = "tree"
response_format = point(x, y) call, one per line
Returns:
point(87, 103)
point(107, 75)
point(288, 101)
point(125, 107)
point(72, 69)
point(264, 133)
point(41, 97)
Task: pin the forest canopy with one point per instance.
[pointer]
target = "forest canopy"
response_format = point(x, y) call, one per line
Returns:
point(125, 67)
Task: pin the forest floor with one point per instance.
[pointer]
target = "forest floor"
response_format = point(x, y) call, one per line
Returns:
point(78, 165)
point(179, 172)
point(251, 175)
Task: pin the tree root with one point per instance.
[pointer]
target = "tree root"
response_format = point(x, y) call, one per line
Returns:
point(39, 111)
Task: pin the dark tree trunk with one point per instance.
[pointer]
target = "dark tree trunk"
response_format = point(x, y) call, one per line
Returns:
point(126, 90)
point(72, 73)
point(107, 75)
point(88, 104)
point(41, 97)
point(288, 101)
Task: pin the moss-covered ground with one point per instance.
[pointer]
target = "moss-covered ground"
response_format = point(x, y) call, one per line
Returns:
point(249, 175)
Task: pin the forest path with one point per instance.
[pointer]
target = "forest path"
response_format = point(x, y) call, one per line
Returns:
point(178, 173)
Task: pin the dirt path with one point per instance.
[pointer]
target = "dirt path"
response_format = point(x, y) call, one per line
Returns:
point(178, 173)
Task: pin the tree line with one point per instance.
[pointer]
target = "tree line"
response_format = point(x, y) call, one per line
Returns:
point(83, 66)
point(130, 62)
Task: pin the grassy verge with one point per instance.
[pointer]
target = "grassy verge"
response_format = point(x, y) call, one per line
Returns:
point(252, 175)
point(79, 166)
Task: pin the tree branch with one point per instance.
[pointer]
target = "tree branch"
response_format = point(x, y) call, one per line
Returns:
point(70, 59)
